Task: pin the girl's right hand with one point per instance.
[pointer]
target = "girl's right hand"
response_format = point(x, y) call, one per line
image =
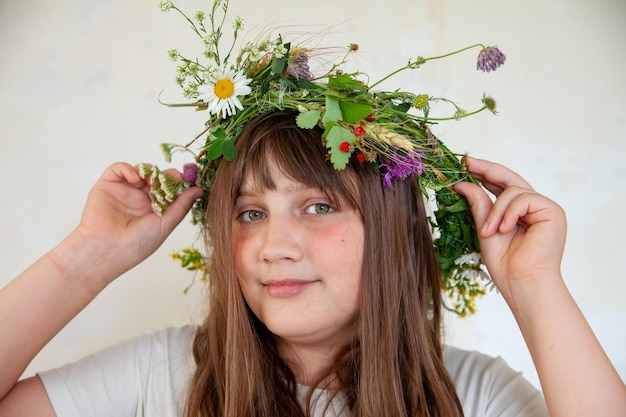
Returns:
point(118, 228)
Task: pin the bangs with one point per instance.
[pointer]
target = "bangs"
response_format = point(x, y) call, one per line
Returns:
point(275, 138)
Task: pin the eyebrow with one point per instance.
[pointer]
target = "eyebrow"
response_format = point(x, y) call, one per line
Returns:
point(247, 191)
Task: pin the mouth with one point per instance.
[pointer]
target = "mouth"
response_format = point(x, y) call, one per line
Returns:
point(286, 287)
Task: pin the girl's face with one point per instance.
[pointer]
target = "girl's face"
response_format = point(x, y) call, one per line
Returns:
point(298, 259)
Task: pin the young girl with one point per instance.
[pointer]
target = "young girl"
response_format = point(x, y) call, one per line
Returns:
point(325, 299)
point(325, 285)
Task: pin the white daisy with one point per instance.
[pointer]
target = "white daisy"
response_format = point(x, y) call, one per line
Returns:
point(468, 259)
point(222, 90)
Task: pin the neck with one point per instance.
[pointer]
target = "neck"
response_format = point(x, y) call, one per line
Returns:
point(310, 364)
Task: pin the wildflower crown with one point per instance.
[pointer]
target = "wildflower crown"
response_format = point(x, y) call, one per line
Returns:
point(390, 130)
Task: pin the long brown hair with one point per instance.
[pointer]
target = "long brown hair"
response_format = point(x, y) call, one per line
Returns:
point(394, 365)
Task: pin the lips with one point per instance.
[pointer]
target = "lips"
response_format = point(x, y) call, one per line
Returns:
point(286, 287)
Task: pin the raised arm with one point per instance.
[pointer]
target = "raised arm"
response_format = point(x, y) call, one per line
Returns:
point(522, 237)
point(117, 231)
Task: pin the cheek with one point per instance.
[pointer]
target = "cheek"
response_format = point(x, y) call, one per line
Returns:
point(343, 248)
point(240, 257)
point(243, 273)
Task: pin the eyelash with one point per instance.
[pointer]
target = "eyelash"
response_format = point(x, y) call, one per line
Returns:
point(318, 205)
point(245, 215)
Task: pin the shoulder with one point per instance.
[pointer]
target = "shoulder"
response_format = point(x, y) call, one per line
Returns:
point(169, 343)
point(464, 364)
point(168, 350)
point(488, 386)
point(149, 372)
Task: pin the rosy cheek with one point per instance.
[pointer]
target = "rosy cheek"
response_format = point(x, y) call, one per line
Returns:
point(339, 242)
point(239, 257)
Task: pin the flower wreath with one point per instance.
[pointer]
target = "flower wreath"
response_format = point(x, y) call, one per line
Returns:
point(387, 129)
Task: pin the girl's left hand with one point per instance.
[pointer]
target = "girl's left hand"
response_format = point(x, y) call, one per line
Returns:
point(521, 233)
point(522, 237)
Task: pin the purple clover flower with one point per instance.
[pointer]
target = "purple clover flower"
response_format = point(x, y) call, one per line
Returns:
point(190, 172)
point(490, 59)
point(402, 166)
point(299, 67)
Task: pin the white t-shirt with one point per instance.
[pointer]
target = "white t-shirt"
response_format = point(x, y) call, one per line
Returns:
point(147, 377)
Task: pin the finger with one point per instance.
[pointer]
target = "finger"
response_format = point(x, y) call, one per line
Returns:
point(509, 209)
point(495, 177)
point(121, 171)
point(528, 209)
point(479, 201)
point(492, 216)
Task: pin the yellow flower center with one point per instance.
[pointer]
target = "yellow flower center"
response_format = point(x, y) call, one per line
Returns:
point(224, 88)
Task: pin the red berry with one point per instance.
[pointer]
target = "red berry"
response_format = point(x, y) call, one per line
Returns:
point(370, 118)
point(344, 147)
point(361, 157)
point(359, 130)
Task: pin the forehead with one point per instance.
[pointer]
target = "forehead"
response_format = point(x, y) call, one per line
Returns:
point(273, 179)
point(275, 157)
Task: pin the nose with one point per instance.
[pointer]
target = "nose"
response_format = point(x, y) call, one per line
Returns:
point(281, 240)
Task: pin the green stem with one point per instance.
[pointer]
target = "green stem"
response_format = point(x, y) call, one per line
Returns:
point(439, 119)
point(391, 75)
point(455, 52)
point(193, 25)
point(420, 61)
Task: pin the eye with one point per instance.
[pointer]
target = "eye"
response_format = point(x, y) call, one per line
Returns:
point(319, 208)
point(252, 215)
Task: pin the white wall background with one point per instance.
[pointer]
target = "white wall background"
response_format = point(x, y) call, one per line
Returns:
point(79, 81)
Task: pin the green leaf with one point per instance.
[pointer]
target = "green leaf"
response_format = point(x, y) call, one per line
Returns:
point(345, 81)
point(219, 133)
point(466, 232)
point(327, 128)
point(336, 136)
point(402, 107)
point(267, 83)
point(308, 119)
point(333, 111)
point(354, 112)
point(335, 94)
point(228, 149)
point(460, 205)
point(214, 150)
point(221, 147)
point(279, 65)
point(306, 84)
point(287, 83)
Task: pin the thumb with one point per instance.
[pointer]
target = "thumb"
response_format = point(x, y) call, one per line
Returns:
point(479, 202)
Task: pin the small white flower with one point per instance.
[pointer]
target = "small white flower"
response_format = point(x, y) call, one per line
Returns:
point(254, 54)
point(165, 5)
point(199, 16)
point(157, 209)
point(238, 23)
point(266, 46)
point(280, 50)
point(210, 71)
point(190, 90)
point(469, 258)
point(478, 274)
point(173, 54)
point(182, 70)
point(470, 273)
point(222, 90)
